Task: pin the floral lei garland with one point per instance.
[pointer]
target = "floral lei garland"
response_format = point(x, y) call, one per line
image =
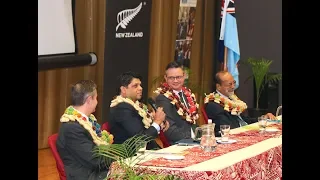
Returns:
point(99, 137)
point(235, 106)
point(140, 107)
point(191, 114)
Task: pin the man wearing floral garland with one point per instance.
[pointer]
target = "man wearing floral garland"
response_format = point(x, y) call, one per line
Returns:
point(129, 117)
point(224, 107)
point(80, 133)
point(178, 102)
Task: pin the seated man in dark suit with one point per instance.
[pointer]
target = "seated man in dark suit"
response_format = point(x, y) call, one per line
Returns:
point(224, 107)
point(179, 104)
point(80, 133)
point(129, 117)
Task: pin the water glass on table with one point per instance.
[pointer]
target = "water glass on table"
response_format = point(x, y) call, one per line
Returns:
point(225, 130)
point(141, 147)
point(262, 121)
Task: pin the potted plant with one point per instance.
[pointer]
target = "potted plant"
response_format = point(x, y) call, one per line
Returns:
point(125, 156)
point(262, 77)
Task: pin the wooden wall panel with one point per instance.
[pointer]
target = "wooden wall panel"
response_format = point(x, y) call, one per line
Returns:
point(54, 85)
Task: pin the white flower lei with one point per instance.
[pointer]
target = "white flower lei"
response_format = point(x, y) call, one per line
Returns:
point(235, 106)
point(147, 121)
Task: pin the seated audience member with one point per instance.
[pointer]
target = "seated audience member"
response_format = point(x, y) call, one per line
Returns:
point(129, 117)
point(224, 107)
point(79, 133)
point(179, 104)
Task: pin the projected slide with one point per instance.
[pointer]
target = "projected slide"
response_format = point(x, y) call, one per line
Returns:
point(55, 27)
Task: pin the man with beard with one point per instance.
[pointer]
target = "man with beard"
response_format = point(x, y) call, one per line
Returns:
point(179, 104)
point(224, 107)
point(129, 117)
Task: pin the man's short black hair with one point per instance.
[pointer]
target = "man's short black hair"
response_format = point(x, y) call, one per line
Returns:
point(126, 78)
point(174, 64)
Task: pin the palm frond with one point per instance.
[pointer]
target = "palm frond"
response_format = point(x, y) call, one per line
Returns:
point(125, 155)
point(114, 151)
point(149, 177)
point(157, 80)
point(251, 76)
point(274, 78)
point(260, 73)
point(119, 152)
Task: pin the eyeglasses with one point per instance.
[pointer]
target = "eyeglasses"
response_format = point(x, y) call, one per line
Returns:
point(229, 84)
point(172, 78)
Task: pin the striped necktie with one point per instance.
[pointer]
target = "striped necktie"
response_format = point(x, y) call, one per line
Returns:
point(183, 100)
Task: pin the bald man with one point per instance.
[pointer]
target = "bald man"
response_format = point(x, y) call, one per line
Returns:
point(219, 105)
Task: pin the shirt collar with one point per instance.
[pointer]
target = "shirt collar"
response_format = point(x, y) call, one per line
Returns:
point(177, 92)
point(82, 114)
point(222, 94)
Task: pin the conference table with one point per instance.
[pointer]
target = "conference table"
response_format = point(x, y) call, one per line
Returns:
point(254, 155)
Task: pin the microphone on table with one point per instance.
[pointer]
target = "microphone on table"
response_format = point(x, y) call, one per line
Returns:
point(154, 106)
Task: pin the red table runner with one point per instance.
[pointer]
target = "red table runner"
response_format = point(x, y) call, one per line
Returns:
point(196, 154)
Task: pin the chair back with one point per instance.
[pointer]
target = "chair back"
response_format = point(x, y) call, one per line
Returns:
point(278, 110)
point(105, 126)
point(52, 144)
point(205, 117)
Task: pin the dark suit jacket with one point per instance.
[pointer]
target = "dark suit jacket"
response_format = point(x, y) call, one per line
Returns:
point(125, 122)
point(219, 116)
point(179, 128)
point(75, 145)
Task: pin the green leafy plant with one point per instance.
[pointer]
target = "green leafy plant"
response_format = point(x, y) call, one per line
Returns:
point(261, 74)
point(125, 155)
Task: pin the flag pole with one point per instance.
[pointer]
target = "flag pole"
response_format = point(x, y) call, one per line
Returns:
point(225, 58)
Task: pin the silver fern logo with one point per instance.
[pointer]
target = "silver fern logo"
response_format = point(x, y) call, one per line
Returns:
point(125, 16)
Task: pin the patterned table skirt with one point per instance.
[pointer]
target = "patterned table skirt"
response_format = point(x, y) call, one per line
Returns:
point(265, 166)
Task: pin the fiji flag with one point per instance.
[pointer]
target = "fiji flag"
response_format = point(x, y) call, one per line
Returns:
point(229, 38)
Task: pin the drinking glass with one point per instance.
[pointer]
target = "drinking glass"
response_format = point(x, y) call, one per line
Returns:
point(262, 121)
point(141, 147)
point(225, 130)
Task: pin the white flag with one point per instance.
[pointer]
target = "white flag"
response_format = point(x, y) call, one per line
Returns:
point(223, 20)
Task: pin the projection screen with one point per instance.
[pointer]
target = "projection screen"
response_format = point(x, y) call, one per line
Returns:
point(55, 27)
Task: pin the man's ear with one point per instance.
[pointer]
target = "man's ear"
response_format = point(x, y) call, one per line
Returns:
point(88, 99)
point(123, 90)
point(185, 75)
point(218, 86)
point(165, 77)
